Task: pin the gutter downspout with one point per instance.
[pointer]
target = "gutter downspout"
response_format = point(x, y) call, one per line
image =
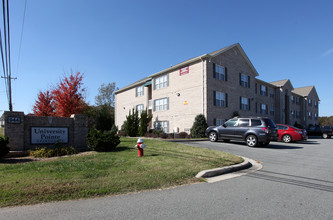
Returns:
point(203, 86)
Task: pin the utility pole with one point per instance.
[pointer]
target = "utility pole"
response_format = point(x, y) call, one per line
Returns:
point(9, 91)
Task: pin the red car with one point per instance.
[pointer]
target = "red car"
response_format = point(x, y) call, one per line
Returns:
point(289, 133)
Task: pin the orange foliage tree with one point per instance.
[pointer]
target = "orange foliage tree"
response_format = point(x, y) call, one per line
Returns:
point(67, 98)
point(43, 105)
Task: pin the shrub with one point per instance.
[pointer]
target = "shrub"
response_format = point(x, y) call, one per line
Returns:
point(53, 152)
point(4, 149)
point(144, 121)
point(199, 126)
point(102, 141)
point(132, 123)
point(163, 135)
point(182, 134)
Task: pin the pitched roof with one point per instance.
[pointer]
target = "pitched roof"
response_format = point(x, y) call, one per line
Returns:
point(280, 82)
point(305, 91)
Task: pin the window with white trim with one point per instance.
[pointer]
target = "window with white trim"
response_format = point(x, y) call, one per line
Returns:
point(162, 125)
point(244, 103)
point(220, 72)
point(220, 99)
point(139, 108)
point(310, 115)
point(218, 121)
point(139, 91)
point(310, 102)
point(161, 104)
point(263, 90)
point(263, 109)
point(244, 80)
point(293, 100)
point(161, 82)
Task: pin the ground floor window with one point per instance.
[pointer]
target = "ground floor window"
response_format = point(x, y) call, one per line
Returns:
point(244, 103)
point(263, 109)
point(162, 125)
point(218, 121)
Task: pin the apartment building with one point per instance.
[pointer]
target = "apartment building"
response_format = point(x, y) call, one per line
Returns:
point(218, 85)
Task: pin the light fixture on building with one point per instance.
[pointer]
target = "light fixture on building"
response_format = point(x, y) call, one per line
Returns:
point(178, 94)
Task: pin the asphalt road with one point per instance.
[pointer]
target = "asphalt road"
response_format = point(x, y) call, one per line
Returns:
point(296, 182)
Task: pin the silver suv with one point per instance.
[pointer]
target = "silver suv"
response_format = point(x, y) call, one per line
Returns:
point(255, 131)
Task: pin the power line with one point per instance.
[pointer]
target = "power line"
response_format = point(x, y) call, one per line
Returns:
point(19, 55)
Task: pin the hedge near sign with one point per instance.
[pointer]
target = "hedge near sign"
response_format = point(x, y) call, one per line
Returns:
point(49, 135)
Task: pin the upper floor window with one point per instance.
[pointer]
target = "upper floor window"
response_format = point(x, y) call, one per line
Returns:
point(310, 102)
point(293, 100)
point(310, 114)
point(220, 99)
point(271, 93)
point(139, 91)
point(161, 104)
point(298, 114)
point(244, 80)
point(161, 82)
point(316, 104)
point(263, 109)
point(297, 101)
point(315, 115)
point(220, 72)
point(293, 113)
point(263, 90)
point(244, 103)
point(139, 108)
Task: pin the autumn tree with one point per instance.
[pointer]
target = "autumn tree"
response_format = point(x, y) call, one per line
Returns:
point(68, 96)
point(64, 99)
point(43, 105)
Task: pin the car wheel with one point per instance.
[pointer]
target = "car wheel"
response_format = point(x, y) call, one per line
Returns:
point(251, 141)
point(287, 138)
point(324, 135)
point(213, 136)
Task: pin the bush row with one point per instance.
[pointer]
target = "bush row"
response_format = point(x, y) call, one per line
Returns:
point(53, 152)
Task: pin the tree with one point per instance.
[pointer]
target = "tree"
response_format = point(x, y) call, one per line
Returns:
point(106, 94)
point(63, 100)
point(144, 121)
point(68, 96)
point(132, 123)
point(104, 117)
point(199, 126)
point(44, 104)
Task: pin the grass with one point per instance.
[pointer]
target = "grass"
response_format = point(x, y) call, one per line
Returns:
point(164, 165)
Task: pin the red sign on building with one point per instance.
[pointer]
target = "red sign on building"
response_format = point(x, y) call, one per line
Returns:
point(184, 70)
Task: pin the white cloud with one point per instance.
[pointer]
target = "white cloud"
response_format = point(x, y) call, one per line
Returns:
point(327, 53)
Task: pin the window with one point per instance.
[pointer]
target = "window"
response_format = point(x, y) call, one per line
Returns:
point(218, 122)
point(297, 101)
point(310, 115)
point(263, 90)
point(298, 115)
point(244, 80)
point(315, 115)
point(293, 114)
point(139, 108)
point(255, 122)
point(244, 103)
point(231, 123)
point(162, 125)
point(161, 104)
point(161, 82)
point(272, 110)
point(243, 122)
point(220, 99)
point(316, 104)
point(220, 72)
point(271, 93)
point(292, 98)
point(139, 91)
point(263, 109)
point(310, 102)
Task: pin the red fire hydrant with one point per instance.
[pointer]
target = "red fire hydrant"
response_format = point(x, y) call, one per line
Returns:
point(140, 147)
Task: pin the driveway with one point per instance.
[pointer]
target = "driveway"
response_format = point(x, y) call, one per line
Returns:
point(296, 182)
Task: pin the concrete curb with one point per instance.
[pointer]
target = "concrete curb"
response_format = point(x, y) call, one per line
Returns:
point(223, 170)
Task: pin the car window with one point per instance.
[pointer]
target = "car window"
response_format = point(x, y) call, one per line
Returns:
point(231, 123)
point(255, 122)
point(269, 123)
point(280, 127)
point(243, 122)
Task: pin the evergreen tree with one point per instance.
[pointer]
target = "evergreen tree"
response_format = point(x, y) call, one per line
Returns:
point(144, 121)
point(199, 126)
point(132, 123)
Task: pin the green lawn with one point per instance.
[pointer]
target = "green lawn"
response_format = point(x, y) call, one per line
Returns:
point(164, 164)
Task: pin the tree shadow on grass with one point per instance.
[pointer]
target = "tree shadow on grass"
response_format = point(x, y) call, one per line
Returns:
point(15, 160)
